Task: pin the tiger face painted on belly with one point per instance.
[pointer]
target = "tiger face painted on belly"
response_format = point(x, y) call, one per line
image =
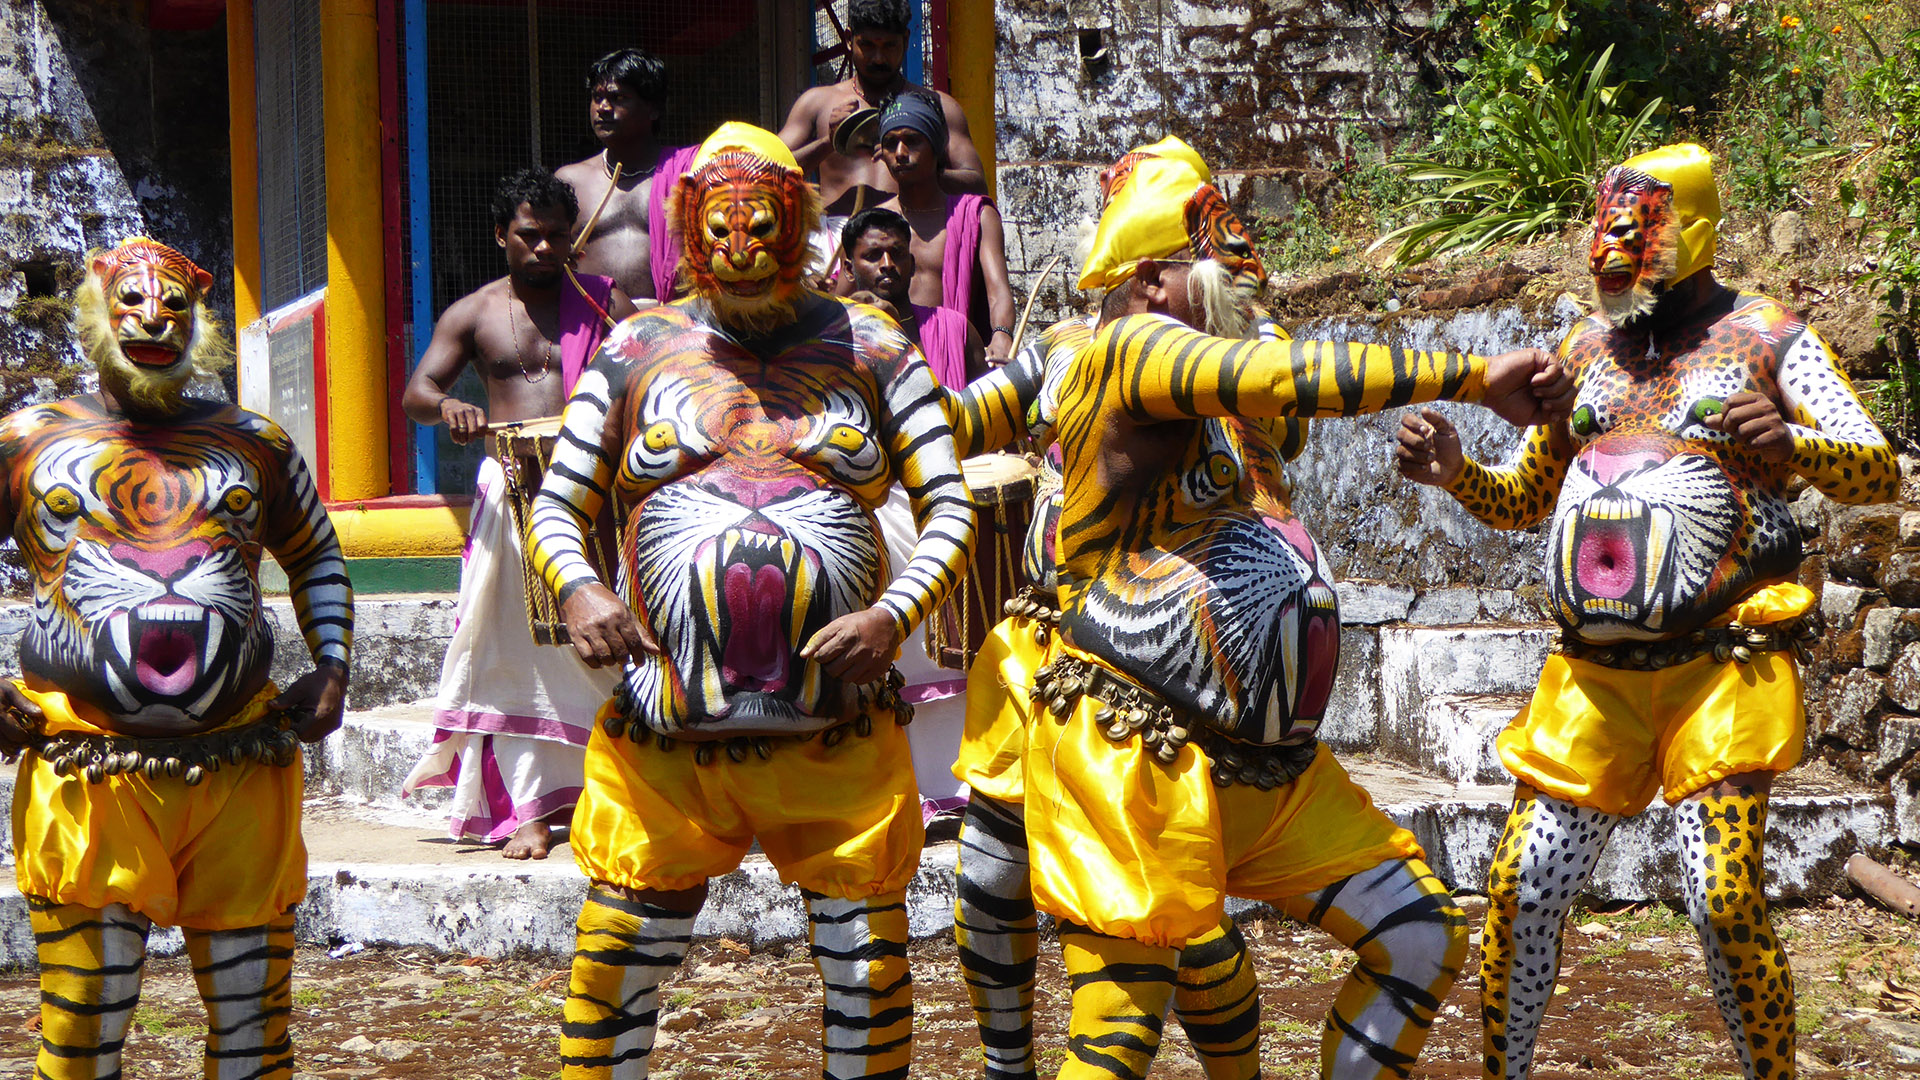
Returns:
point(144, 543)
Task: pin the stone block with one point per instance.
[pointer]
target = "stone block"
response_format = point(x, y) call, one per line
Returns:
point(1900, 578)
point(1353, 707)
point(1459, 732)
point(1858, 541)
point(1370, 603)
point(1884, 632)
point(1853, 702)
point(1899, 741)
point(1422, 668)
point(1838, 602)
point(1810, 512)
point(1910, 529)
point(1455, 606)
point(1903, 680)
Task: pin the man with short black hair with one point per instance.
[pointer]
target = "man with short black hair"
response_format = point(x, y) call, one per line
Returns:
point(879, 247)
point(512, 717)
point(876, 41)
point(630, 241)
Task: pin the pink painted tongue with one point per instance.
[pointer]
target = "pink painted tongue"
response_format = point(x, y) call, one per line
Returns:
point(1320, 636)
point(166, 661)
point(1605, 564)
point(757, 652)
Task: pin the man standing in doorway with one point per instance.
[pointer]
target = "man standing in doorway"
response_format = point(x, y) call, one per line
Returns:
point(630, 241)
point(512, 717)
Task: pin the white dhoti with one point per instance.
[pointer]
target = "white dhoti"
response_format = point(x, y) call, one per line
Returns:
point(511, 718)
point(937, 694)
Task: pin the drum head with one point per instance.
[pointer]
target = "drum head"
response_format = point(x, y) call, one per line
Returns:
point(995, 472)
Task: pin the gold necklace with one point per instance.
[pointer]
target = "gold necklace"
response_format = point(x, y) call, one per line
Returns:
point(519, 360)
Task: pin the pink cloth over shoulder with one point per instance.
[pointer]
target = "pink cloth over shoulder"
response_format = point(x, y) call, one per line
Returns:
point(943, 340)
point(581, 325)
point(960, 267)
point(663, 241)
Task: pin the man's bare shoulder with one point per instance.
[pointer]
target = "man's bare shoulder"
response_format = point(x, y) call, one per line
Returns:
point(584, 169)
point(811, 104)
point(468, 311)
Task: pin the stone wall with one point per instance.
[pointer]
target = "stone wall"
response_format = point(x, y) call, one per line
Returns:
point(107, 130)
point(1863, 687)
point(1275, 94)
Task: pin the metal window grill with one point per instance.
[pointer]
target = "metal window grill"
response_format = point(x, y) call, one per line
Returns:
point(506, 86)
point(293, 187)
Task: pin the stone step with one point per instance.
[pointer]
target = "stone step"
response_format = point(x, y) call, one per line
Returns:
point(377, 881)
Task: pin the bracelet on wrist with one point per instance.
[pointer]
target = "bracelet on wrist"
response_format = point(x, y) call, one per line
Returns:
point(1002, 330)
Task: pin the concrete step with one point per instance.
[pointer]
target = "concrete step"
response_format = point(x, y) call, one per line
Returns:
point(378, 880)
point(370, 756)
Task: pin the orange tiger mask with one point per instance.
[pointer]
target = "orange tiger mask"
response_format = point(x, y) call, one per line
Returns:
point(746, 221)
point(142, 316)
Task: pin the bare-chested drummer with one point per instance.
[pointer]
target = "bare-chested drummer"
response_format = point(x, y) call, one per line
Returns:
point(629, 240)
point(512, 718)
point(877, 42)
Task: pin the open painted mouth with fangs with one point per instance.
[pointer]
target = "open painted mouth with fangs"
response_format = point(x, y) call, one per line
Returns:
point(1613, 284)
point(1611, 556)
point(162, 652)
point(759, 573)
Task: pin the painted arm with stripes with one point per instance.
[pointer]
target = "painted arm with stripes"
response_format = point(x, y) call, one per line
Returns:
point(1167, 371)
point(920, 447)
point(602, 628)
point(300, 537)
point(1020, 399)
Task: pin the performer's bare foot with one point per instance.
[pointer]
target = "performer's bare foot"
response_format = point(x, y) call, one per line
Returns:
point(530, 841)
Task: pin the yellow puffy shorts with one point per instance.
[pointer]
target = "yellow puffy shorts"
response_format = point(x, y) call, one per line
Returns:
point(1132, 848)
point(843, 821)
point(222, 855)
point(998, 709)
point(1610, 740)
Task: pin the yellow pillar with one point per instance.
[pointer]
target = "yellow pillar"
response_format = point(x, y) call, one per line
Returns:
point(970, 66)
point(356, 289)
point(243, 134)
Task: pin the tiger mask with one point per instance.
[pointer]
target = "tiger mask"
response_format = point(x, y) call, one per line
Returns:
point(746, 221)
point(142, 317)
point(1636, 246)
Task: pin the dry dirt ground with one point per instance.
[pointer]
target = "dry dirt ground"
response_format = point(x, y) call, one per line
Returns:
point(1633, 1003)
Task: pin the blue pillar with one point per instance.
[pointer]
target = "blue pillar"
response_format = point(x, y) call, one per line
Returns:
point(426, 449)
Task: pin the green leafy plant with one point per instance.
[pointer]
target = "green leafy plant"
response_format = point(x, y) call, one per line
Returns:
point(1891, 93)
point(1546, 147)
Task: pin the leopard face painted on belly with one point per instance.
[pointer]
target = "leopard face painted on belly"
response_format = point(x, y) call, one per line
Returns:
point(1662, 521)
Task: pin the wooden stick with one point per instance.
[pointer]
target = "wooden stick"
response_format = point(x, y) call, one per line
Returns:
point(1884, 885)
point(593, 219)
point(1020, 328)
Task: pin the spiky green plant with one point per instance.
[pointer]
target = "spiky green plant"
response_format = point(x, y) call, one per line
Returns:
point(1546, 150)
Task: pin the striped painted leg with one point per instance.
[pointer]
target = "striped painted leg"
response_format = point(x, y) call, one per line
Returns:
point(1218, 1003)
point(1121, 989)
point(996, 929)
point(1545, 858)
point(866, 1020)
point(624, 949)
point(1411, 940)
point(91, 961)
point(1722, 843)
point(246, 979)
